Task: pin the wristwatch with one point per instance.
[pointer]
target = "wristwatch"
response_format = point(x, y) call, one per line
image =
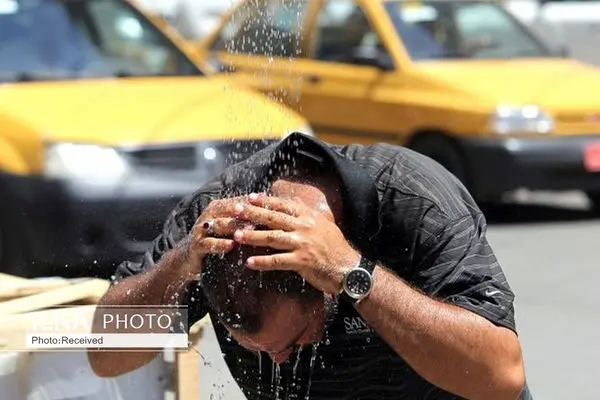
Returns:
point(358, 282)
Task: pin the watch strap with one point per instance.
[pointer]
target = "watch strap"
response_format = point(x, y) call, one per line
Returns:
point(367, 264)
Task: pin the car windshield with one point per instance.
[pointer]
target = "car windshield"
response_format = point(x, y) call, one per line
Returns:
point(71, 39)
point(461, 29)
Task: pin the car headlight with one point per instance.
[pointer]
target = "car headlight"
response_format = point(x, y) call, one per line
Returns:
point(91, 163)
point(520, 119)
point(307, 130)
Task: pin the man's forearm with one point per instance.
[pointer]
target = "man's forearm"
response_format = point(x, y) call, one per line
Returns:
point(450, 347)
point(162, 285)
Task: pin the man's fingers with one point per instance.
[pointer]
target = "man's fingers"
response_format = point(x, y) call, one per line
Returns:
point(274, 203)
point(277, 239)
point(282, 261)
point(217, 218)
point(261, 216)
point(227, 226)
point(209, 245)
point(223, 207)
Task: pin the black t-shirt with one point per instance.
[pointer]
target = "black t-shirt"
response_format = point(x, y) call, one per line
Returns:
point(401, 209)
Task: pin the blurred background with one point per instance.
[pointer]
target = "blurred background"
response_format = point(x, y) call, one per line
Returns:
point(111, 111)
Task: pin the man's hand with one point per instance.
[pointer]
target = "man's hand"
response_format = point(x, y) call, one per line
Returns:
point(212, 233)
point(312, 244)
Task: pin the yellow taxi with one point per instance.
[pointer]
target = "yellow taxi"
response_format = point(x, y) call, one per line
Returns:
point(108, 119)
point(461, 81)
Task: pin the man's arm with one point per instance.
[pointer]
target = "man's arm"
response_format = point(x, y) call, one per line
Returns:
point(159, 279)
point(448, 346)
point(164, 284)
point(447, 336)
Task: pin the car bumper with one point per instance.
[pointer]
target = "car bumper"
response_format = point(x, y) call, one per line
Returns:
point(84, 229)
point(498, 166)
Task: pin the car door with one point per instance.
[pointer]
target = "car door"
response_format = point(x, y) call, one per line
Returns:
point(339, 95)
point(292, 51)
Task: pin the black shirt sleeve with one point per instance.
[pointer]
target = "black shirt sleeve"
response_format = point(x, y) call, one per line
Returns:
point(457, 265)
point(177, 226)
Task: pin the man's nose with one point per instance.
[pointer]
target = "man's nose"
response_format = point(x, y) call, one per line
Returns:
point(279, 358)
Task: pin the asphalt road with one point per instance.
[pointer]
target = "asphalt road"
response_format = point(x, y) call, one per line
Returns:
point(549, 253)
point(551, 259)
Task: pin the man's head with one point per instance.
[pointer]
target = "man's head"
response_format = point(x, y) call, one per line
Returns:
point(271, 311)
point(264, 311)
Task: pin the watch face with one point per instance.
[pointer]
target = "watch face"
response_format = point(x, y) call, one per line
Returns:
point(358, 283)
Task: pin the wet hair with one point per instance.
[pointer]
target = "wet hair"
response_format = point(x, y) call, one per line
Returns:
point(240, 296)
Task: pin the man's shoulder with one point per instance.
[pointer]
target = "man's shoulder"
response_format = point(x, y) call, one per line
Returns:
point(389, 158)
point(412, 179)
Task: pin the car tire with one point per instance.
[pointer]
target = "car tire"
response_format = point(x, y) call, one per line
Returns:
point(12, 250)
point(445, 151)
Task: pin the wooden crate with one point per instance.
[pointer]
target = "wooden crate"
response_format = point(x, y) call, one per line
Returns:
point(22, 299)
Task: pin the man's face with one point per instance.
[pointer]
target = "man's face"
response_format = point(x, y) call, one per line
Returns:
point(288, 325)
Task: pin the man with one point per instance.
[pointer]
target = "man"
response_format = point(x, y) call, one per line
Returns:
point(428, 315)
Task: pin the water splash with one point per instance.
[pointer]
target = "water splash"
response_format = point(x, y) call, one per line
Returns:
point(259, 363)
point(295, 369)
point(272, 373)
point(259, 385)
point(313, 358)
point(277, 380)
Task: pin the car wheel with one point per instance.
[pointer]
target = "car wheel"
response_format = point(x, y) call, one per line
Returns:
point(443, 150)
point(594, 200)
point(12, 250)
